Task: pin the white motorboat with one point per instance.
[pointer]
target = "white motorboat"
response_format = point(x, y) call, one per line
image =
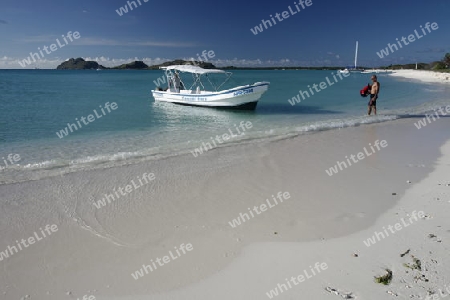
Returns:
point(178, 92)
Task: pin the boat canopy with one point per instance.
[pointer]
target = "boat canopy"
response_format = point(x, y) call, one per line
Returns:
point(197, 74)
point(192, 69)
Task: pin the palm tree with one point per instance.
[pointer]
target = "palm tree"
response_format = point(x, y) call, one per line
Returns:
point(446, 60)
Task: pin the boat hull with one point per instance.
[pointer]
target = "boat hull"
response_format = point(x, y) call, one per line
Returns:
point(243, 97)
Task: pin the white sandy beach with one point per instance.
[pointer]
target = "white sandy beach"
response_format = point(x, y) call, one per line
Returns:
point(326, 220)
point(422, 75)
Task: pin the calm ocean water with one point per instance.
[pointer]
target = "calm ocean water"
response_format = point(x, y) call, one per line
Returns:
point(35, 104)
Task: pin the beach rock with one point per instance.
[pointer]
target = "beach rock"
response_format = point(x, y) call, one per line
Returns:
point(344, 295)
point(392, 293)
point(406, 252)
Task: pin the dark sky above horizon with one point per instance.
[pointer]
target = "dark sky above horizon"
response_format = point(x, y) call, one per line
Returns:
point(323, 34)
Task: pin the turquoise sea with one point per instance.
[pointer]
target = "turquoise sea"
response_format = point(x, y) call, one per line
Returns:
point(36, 104)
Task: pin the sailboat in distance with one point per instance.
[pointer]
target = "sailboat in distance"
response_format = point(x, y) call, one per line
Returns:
point(355, 68)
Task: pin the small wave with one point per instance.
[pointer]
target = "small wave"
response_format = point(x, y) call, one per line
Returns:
point(40, 165)
point(104, 158)
point(56, 167)
point(343, 123)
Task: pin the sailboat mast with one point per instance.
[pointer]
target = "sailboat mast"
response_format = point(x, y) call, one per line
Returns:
point(356, 54)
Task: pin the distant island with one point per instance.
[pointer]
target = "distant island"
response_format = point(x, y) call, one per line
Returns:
point(81, 64)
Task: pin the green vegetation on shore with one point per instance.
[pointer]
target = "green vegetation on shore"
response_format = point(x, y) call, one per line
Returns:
point(440, 65)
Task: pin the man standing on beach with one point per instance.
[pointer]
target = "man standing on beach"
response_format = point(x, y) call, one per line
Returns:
point(374, 95)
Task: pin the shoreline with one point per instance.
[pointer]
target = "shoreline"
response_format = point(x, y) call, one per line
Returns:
point(192, 200)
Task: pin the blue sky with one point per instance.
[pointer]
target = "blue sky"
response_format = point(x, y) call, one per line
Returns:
point(323, 34)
